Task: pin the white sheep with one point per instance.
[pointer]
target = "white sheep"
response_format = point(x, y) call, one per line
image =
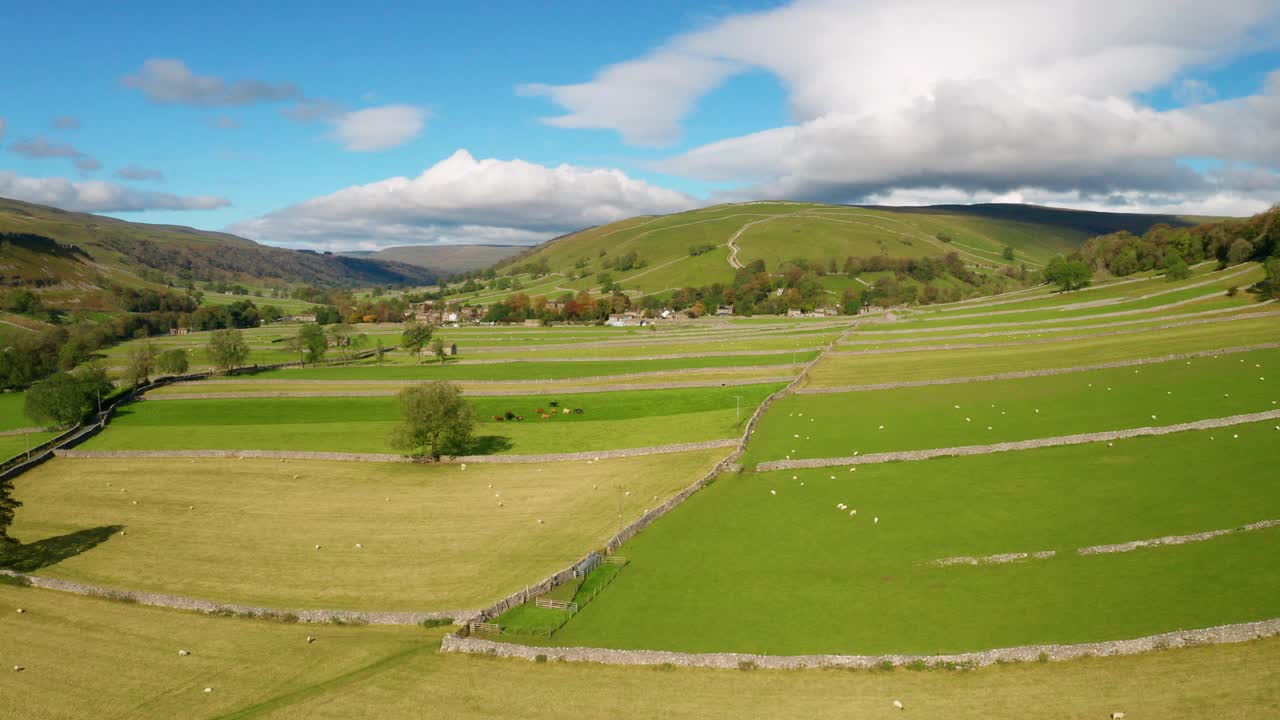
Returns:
point(897, 704)
point(317, 547)
point(359, 546)
point(876, 520)
point(773, 492)
point(183, 653)
point(311, 639)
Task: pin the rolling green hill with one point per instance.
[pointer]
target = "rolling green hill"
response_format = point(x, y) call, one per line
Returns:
point(697, 248)
point(78, 254)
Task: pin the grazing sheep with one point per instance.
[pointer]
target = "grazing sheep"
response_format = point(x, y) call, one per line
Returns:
point(773, 492)
point(876, 520)
point(565, 411)
point(183, 653)
point(1117, 716)
point(20, 611)
point(311, 639)
point(208, 689)
point(18, 668)
point(359, 546)
point(897, 704)
point(317, 547)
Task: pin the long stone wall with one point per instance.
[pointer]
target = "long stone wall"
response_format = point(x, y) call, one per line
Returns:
point(470, 393)
point(1242, 632)
point(523, 596)
point(179, 602)
point(1019, 374)
point(1058, 441)
point(1046, 341)
point(389, 458)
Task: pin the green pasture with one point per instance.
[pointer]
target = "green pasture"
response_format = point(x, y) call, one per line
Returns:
point(435, 537)
point(981, 413)
point(890, 367)
point(90, 657)
point(14, 445)
point(529, 370)
point(362, 424)
point(739, 568)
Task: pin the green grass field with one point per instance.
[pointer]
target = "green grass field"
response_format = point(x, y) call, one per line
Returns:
point(892, 367)
point(435, 537)
point(789, 573)
point(13, 445)
point(12, 415)
point(362, 424)
point(531, 370)
point(88, 657)
point(837, 425)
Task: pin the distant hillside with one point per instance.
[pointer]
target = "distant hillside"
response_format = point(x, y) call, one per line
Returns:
point(83, 251)
point(444, 258)
point(659, 254)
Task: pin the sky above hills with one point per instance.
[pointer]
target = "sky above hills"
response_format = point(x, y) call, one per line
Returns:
point(343, 126)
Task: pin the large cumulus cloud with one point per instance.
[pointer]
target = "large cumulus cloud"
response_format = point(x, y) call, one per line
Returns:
point(979, 97)
point(465, 200)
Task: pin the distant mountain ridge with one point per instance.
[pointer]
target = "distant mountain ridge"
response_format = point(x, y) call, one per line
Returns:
point(444, 258)
point(182, 253)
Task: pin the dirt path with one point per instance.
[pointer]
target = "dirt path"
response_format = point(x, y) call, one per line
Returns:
point(734, 262)
point(1061, 440)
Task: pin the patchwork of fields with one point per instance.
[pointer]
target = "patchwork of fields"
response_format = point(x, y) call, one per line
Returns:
point(948, 555)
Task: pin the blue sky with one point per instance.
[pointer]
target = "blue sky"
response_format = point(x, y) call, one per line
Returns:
point(662, 105)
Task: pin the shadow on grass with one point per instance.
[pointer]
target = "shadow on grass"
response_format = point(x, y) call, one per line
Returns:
point(30, 557)
point(487, 445)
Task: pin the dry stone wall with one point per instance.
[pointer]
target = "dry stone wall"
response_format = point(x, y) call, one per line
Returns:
point(179, 602)
point(1242, 632)
point(1019, 374)
point(1059, 441)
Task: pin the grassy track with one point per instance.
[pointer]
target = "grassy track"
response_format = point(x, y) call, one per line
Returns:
point(429, 532)
point(789, 573)
point(836, 425)
point(362, 424)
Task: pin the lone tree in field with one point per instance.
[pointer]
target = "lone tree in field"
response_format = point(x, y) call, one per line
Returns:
point(173, 362)
point(310, 343)
point(436, 420)
point(227, 349)
point(142, 362)
point(437, 349)
point(8, 506)
point(415, 337)
point(1175, 268)
point(1068, 273)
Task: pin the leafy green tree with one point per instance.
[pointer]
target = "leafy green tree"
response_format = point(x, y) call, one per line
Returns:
point(436, 420)
point(8, 507)
point(415, 336)
point(437, 349)
point(173, 362)
point(1008, 253)
point(380, 350)
point(270, 313)
point(227, 349)
point(340, 337)
point(312, 343)
point(1175, 268)
point(1068, 273)
point(1239, 251)
point(142, 362)
point(66, 398)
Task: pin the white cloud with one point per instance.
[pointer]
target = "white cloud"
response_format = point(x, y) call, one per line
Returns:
point(643, 100)
point(981, 96)
point(464, 200)
point(170, 81)
point(39, 147)
point(379, 128)
point(98, 196)
point(137, 172)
